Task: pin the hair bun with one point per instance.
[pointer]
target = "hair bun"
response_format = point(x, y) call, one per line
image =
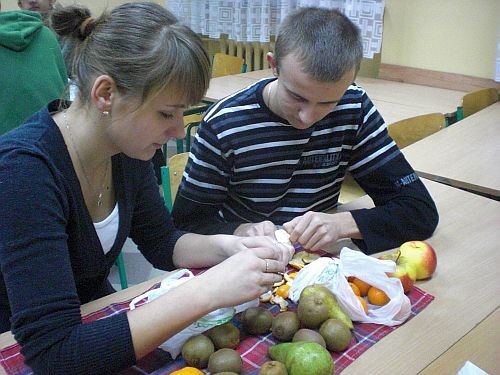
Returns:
point(86, 27)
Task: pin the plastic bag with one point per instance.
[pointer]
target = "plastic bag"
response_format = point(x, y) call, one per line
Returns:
point(332, 273)
point(215, 318)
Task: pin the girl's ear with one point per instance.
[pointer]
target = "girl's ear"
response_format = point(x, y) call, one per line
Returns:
point(102, 93)
point(272, 63)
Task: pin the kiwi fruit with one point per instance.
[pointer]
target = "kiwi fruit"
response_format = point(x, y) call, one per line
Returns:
point(309, 335)
point(256, 320)
point(336, 334)
point(197, 350)
point(225, 360)
point(225, 336)
point(273, 368)
point(284, 325)
point(312, 311)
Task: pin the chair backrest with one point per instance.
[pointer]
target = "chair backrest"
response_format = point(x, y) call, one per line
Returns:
point(172, 176)
point(224, 65)
point(413, 129)
point(477, 100)
point(350, 190)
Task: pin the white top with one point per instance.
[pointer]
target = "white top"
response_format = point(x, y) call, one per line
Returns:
point(108, 229)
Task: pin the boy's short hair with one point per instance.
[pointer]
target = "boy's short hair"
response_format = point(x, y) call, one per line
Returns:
point(325, 41)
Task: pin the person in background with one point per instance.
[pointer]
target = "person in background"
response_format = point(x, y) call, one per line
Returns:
point(76, 182)
point(44, 7)
point(32, 67)
point(276, 153)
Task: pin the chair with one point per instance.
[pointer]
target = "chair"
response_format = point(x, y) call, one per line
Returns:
point(413, 129)
point(370, 67)
point(477, 100)
point(172, 176)
point(224, 65)
point(120, 263)
point(404, 133)
point(192, 117)
point(350, 190)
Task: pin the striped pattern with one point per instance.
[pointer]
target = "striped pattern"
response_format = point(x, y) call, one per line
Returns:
point(256, 167)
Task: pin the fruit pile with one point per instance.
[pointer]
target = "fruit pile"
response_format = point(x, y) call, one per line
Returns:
point(305, 336)
point(362, 289)
point(214, 351)
point(415, 260)
point(318, 326)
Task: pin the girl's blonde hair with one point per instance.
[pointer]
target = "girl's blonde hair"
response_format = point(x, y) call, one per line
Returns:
point(141, 46)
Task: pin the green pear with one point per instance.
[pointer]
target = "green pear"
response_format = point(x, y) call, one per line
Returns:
point(303, 358)
point(329, 299)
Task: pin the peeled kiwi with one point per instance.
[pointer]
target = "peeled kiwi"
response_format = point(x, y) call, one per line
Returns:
point(225, 360)
point(225, 336)
point(309, 335)
point(197, 350)
point(256, 320)
point(336, 334)
point(284, 325)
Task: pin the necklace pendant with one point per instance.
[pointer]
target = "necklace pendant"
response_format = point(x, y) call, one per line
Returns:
point(99, 200)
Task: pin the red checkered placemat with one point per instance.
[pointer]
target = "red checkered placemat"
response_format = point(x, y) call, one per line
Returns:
point(253, 349)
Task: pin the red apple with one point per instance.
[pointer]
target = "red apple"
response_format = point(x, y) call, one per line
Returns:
point(407, 274)
point(405, 271)
point(421, 255)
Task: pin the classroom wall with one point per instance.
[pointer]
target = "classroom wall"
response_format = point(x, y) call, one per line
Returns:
point(453, 36)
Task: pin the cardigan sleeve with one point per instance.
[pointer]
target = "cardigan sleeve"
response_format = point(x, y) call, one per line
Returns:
point(152, 228)
point(38, 277)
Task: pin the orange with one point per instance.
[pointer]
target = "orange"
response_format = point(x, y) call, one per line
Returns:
point(362, 286)
point(355, 289)
point(187, 371)
point(377, 297)
point(363, 303)
point(283, 290)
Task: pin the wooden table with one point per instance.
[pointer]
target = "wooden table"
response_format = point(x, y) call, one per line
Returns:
point(394, 100)
point(221, 87)
point(465, 155)
point(467, 295)
point(460, 324)
point(430, 99)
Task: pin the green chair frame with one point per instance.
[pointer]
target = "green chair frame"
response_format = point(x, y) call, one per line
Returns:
point(165, 185)
point(120, 263)
point(198, 109)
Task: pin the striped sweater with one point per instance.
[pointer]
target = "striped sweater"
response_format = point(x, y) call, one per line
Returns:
point(249, 165)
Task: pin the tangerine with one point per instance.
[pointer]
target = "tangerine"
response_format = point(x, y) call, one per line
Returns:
point(362, 286)
point(187, 371)
point(363, 303)
point(377, 296)
point(355, 289)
